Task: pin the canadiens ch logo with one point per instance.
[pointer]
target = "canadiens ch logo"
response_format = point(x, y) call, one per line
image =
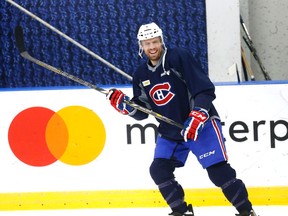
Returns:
point(161, 94)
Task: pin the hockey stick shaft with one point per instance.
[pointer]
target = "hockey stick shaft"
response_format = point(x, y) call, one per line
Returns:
point(245, 28)
point(256, 57)
point(27, 56)
point(21, 46)
point(247, 66)
point(70, 39)
point(253, 50)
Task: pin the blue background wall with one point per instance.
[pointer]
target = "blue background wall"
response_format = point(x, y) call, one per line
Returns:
point(107, 27)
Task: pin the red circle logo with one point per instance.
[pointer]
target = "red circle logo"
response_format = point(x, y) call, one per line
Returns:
point(39, 136)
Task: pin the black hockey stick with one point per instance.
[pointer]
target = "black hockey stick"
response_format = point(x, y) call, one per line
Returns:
point(23, 52)
point(70, 39)
point(253, 50)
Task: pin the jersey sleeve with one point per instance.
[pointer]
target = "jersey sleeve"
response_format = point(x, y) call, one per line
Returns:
point(140, 98)
point(198, 83)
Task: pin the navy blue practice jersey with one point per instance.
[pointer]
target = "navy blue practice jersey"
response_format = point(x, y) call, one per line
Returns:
point(172, 88)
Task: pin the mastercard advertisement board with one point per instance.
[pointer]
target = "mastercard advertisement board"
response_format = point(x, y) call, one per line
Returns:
point(39, 136)
point(73, 140)
point(70, 139)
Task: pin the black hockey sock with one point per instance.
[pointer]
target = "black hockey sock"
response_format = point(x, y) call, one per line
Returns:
point(224, 176)
point(173, 193)
point(236, 192)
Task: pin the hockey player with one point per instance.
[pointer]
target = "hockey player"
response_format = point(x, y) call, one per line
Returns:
point(173, 84)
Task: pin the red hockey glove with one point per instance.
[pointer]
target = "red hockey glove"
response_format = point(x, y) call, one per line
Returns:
point(117, 98)
point(194, 123)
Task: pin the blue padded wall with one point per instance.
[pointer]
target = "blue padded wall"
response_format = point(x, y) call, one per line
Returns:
point(107, 27)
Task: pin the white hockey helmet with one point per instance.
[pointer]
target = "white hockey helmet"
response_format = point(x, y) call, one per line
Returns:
point(148, 31)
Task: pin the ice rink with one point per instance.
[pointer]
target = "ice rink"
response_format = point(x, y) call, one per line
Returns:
point(199, 211)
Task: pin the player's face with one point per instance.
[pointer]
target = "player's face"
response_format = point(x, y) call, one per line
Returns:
point(153, 49)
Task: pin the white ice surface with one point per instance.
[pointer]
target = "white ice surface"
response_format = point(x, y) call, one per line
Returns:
point(199, 211)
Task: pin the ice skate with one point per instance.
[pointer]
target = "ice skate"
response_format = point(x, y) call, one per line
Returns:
point(251, 213)
point(188, 213)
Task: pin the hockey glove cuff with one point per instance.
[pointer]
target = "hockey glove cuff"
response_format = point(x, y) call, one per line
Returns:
point(194, 123)
point(117, 98)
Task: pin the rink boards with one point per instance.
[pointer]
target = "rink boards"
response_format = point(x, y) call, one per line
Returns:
point(89, 156)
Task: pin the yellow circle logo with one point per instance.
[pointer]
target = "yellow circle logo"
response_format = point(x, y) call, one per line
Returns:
point(74, 135)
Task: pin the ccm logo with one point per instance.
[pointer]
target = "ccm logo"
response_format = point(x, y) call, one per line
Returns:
point(207, 154)
point(198, 115)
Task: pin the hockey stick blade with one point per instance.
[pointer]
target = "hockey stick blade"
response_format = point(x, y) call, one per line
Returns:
point(26, 55)
point(70, 39)
point(19, 36)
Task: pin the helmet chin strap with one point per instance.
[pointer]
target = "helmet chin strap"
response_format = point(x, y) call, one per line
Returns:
point(140, 51)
